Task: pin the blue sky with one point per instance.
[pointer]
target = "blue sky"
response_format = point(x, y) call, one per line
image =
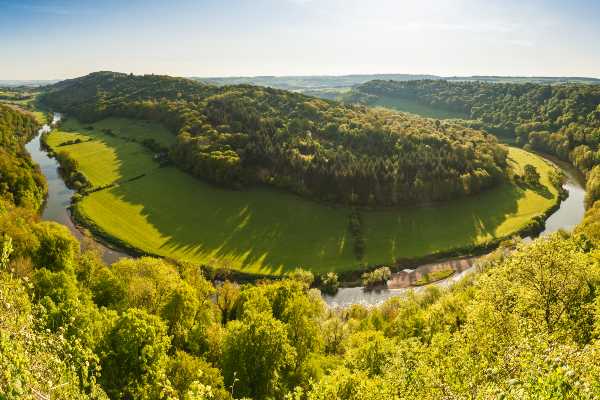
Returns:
point(62, 38)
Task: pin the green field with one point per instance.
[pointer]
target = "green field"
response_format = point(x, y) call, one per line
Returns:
point(169, 213)
point(409, 106)
point(106, 159)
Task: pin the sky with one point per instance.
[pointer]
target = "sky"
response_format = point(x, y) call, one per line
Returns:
point(59, 39)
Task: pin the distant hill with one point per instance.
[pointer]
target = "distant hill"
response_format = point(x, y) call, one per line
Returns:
point(241, 134)
point(524, 79)
point(26, 83)
point(317, 82)
point(310, 82)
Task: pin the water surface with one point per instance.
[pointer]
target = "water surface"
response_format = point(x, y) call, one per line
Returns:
point(569, 214)
point(56, 207)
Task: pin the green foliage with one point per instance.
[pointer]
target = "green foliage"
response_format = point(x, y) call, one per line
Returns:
point(57, 247)
point(261, 236)
point(256, 352)
point(434, 276)
point(35, 362)
point(529, 319)
point(592, 192)
point(5, 251)
point(240, 135)
point(134, 357)
point(21, 182)
point(524, 326)
point(330, 283)
point(70, 171)
point(185, 372)
point(563, 120)
point(376, 277)
point(589, 229)
point(302, 275)
point(183, 301)
point(531, 175)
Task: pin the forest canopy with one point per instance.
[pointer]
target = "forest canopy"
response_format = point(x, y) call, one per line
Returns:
point(242, 135)
point(563, 120)
point(20, 180)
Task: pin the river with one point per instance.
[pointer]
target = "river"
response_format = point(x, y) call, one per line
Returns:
point(568, 215)
point(56, 207)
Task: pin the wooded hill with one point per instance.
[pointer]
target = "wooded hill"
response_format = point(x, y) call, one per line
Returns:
point(563, 120)
point(242, 135)
point(20, 180)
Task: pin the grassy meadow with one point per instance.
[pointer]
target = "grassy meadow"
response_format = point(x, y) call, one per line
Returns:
point(103, 159)
point(170, 213)
point(413, 107)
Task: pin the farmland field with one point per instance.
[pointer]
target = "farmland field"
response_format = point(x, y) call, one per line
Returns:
point(413, 107)
point(169, 213)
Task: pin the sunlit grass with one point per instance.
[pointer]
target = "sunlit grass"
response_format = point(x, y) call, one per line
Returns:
point(172, 214)
point(414, 107)
point(104, 159)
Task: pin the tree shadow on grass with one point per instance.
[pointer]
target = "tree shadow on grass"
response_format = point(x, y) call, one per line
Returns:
point(268, 231)
point(416, 232)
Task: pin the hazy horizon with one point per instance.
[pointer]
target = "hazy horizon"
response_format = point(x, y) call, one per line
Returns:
point(59, 39)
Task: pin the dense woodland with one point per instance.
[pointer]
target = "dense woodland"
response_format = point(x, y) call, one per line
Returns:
point(563, 120)
point(241, 135)
point(526, 326)
point(20, 180)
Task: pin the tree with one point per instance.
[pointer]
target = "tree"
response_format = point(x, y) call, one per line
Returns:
point(329, 283)
point(185, 372)
point(227, 297)
point(180, 313)
point(531, 175)
point(302, 275)
point(256, 352)
point(57, 247)
point(133, 357)
point(592, 187)
point(6, 250)
point(555, 279)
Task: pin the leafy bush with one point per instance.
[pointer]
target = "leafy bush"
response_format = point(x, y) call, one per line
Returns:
point(330, 283)
point(377, 277)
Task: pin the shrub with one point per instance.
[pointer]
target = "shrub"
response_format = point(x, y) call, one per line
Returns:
point(376, 277)
point(330, 283)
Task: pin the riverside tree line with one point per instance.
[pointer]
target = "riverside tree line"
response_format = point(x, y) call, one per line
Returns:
point(241, 135)
point(563, 120)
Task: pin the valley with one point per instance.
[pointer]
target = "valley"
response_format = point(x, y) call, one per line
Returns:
point(136, 204)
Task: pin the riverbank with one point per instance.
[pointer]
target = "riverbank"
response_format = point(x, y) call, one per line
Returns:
point(260, 232)
point(566, 217)
point(58, 199)
point(411, 268)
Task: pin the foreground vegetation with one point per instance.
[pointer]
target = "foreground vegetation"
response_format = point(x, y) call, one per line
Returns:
point(526, 326)
point(134, 201)
point(237, 136)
